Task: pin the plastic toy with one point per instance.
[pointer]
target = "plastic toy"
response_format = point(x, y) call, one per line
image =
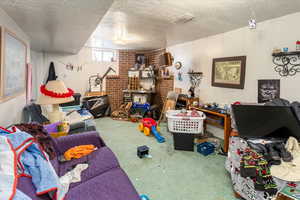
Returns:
point(142, 151)
point(148, 126)
point(144, 197)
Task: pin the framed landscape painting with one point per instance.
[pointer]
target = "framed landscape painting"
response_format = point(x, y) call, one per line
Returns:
point(229, 72)
point(13, 70)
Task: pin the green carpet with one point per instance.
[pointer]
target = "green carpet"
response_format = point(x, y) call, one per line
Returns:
point(169, 174)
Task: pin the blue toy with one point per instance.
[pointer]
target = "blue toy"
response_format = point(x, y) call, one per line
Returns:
point(144, 197)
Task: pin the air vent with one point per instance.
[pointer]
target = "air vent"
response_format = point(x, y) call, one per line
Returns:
point(184, 19)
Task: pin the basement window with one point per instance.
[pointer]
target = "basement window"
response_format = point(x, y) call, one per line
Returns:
point(102, 55)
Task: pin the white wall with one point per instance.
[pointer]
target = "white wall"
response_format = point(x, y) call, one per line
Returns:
point(38, 71)
point(78, 81)
point(11, 110)
point(256, 44)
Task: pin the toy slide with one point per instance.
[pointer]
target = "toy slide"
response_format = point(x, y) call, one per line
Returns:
point(148, 126)
point(144, 197)
point(156, 134)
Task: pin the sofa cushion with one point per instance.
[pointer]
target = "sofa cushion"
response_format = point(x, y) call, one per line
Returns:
point(111, 185)
point(99, 162)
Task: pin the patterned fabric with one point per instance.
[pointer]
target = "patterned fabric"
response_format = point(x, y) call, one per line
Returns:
point(245, 186)
point(42, 137)
point(254, 166)
point(8, 165)
point(28, 160)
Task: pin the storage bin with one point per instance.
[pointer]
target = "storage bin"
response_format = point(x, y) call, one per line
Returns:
point(205, 148)
point(184, 142)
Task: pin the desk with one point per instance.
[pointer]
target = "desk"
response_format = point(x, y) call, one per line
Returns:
point(93, 94)
point(226, 126)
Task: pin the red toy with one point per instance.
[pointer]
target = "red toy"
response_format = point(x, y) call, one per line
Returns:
point(149, 125)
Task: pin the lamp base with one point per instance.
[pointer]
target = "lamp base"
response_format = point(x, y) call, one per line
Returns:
point(56, 115)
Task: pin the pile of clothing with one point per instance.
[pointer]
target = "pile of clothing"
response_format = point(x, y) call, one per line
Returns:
point(22, 154)
point(265, 169)
point(272, 149)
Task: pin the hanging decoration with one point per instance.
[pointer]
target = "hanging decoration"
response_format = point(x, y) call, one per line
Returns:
point(71, 67)
point(252, 20)
point(252, 24)
point(179, 75)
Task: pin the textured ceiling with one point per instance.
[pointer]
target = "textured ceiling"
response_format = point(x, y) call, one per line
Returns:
point(152, 24)
point(65, 25)
point(57, 25)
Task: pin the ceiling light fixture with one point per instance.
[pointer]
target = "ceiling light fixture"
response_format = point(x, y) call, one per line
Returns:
point(252, 24)
point(252, 21)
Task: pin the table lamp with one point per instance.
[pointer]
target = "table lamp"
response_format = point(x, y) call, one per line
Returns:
point(54, 93)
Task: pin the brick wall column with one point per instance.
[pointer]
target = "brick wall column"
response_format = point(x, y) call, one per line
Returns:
point(116, 84)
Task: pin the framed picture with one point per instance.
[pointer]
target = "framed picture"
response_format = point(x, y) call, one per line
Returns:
point(268, 90)
point(13, 68)
point(229, 72)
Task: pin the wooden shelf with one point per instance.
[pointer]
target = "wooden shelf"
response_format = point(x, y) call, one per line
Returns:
point(290, 53)
point(195, 73)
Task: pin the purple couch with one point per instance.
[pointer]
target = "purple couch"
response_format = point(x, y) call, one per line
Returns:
point(104, 179)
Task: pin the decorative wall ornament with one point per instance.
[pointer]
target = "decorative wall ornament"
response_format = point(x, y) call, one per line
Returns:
point(229, 72)
point(268, 90)
point(178, 65)
point(71, 67)
point(179, 76)
point(195, 78)
point(287, 63)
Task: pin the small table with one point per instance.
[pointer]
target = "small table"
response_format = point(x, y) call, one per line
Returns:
point(226, 126)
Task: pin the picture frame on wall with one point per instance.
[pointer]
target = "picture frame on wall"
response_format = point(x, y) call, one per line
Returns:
point(229, 72)
point(13, 65)
point(268, 89)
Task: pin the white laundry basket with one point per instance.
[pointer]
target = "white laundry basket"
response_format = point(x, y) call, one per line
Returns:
point(185, 124)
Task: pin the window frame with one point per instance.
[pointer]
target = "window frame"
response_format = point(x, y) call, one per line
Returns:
point(100, 58)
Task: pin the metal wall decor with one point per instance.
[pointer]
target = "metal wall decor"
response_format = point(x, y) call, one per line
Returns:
point(287, 63)
point(195, 78)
